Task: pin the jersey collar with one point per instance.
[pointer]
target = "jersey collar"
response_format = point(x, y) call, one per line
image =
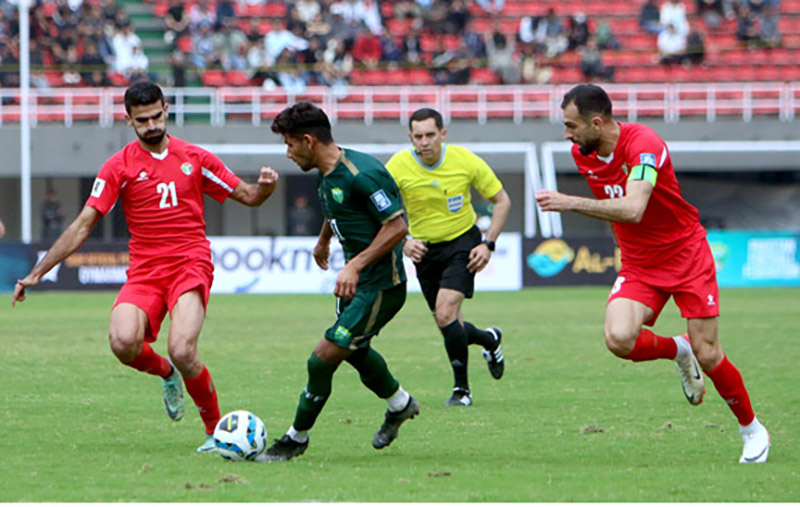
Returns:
point(426, 166)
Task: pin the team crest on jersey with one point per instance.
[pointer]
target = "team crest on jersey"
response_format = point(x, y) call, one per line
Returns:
point(337, 194)
point(625, 169)
point(647, 159)
point(186, 167)
point(455, 203)
point(142, 176)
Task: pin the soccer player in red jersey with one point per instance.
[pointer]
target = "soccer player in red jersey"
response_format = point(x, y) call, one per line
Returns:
point(160, 180)
point(664, 253)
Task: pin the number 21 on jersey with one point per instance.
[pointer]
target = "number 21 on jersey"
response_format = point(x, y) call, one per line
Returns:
point(169, 197)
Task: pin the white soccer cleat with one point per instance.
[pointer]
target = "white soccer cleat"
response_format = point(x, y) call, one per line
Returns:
point(694, 386)
point(755, 438)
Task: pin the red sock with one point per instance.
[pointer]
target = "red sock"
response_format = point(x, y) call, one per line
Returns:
point(650, 346)
point(201, 389)
point(150, 362)
point(730, 386)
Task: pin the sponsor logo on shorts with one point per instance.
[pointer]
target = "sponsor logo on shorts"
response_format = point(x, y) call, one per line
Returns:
point(648, 159)
point(97, 188)
point(186, 167)
point(338, 195)
point(380, 200)
point(455, 203)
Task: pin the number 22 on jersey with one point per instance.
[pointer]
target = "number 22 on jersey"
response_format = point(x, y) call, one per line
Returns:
point(169, 197)
point(614, 191)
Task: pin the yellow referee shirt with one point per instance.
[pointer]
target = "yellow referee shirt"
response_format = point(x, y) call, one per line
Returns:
point(437, 197)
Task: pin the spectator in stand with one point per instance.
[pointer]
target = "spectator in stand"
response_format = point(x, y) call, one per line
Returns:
point(225, 10)
point(532, 72)
point(770, 34)
point(649, 17)
point(577, 31)
point(358, 12)
point(52, 214)
point(391, 51)
point(311, 59)
point(290, 76)
point(338, 63)
point(712, 12)
point(344, 30)
point(592, 66)
point(201, 14)
point(138, 66)
point(476, 47)
point(451, 66)
point(123, 43)
point(695, 46)
point(367, 49)
point(318, 28)
point(673, 12)
point(748, 27)
point(671, 45)
point(93, 70)
point(527, 29)
point(301, 219)
point(457, 18)
point(279, 38)
point(307, 10)
point(502, 57)
point(204, 47)
point(177, 22)
point(177, 60)
point(412, 51)
point(408, 9)
point(605, 36)
point(9, 60)
point(109, 8)
point(550, 34)
point(231, 45)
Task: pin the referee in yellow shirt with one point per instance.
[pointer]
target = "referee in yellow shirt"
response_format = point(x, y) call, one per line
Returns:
point(444, 243)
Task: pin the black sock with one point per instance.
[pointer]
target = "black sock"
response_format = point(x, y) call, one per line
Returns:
point(482, 337)
point(455, 343)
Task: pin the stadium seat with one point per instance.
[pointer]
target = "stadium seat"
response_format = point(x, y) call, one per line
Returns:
point(213, 78)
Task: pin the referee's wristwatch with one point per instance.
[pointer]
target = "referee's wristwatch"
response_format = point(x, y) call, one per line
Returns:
point(489, 244)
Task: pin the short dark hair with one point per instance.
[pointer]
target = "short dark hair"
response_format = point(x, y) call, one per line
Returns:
point(425, 113)
point(303, 118)
point(589, 99)
point(141, 94)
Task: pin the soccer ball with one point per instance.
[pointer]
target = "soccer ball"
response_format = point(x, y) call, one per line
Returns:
point(240, 435)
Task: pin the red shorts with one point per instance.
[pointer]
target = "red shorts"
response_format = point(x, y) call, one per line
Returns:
point(157, 291)
point(689, 276)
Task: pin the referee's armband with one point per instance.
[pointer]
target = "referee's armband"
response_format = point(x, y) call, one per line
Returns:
point(643, 172)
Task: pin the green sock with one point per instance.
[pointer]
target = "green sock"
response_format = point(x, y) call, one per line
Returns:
point(374, 372)
point(316, 393)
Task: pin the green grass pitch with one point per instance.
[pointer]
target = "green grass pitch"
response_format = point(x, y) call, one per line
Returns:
point(568, 422)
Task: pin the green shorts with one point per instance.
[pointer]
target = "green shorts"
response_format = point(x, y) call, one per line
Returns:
point(362, 317)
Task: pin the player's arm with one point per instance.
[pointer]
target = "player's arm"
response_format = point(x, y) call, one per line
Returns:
point(254, 194)
point(389, 235)
point(322, 249)
point(629, 208)
point(480, 255)
point(70, 240)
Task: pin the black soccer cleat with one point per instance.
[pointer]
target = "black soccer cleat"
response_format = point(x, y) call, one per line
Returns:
point(460, 398)
point(388, 430)
point(283, 450)
point(494, 358)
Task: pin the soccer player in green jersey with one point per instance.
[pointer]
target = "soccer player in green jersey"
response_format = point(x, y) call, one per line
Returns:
point(362, 207)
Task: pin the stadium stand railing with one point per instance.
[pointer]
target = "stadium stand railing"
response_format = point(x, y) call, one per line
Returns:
point(517, 103)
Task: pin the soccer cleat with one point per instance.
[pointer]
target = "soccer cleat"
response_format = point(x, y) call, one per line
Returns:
point(209, 445)
point(282, 450)
point(172, 387)
point(494, 358)
point(391, 423)
point(691, 378)
point(756, 445)
point(460, 398)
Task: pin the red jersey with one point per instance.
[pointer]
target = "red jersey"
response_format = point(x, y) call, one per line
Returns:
point(162, 196)
point(668, 222)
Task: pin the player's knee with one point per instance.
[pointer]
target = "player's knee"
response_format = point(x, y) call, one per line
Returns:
point(183, 356)
point(709, 356)
point(125, 344)
point(444, 315)
point(620, 341)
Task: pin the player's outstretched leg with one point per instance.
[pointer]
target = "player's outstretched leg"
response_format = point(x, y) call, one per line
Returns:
point(494, 357)
point(172, 389)
point(391, 423)
point(691, 378)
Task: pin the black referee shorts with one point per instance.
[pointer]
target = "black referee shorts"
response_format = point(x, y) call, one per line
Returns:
point(445, 266)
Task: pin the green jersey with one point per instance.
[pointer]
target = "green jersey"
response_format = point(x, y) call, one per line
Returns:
point(358, 196)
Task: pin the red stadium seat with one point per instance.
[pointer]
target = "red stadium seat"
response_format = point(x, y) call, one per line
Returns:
point(214, 78)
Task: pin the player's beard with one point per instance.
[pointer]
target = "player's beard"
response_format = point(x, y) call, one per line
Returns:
point(153, 137)
point(589, 146)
